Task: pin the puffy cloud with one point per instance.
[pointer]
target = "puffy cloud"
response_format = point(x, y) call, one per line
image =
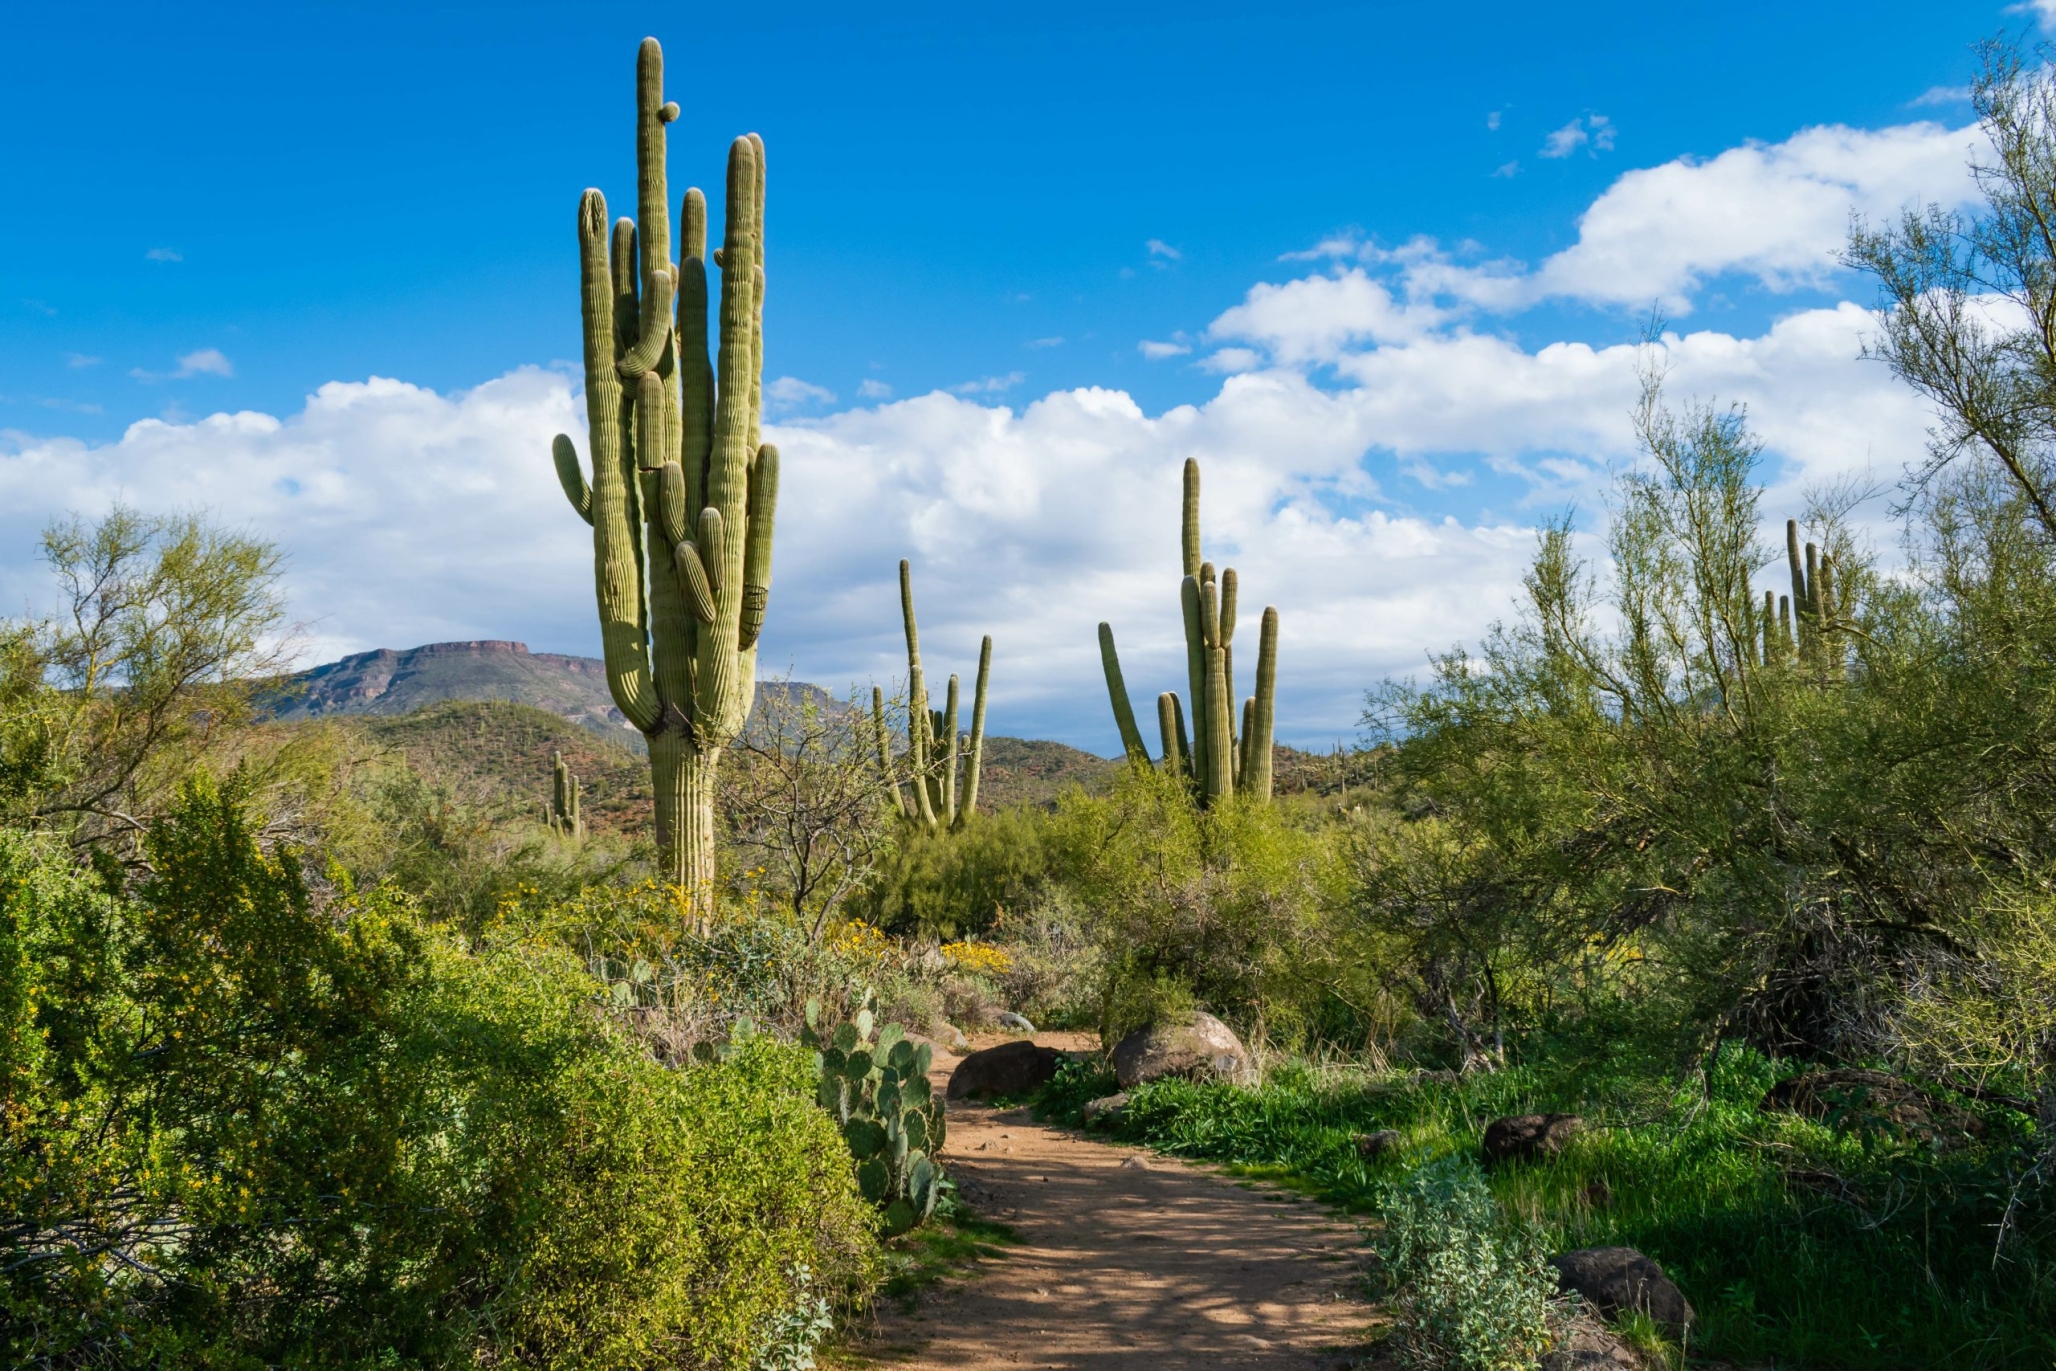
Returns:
point(872, 388)
point(1311, 319)
point(164, 255)
point(1778, 212)
point(1775, 212)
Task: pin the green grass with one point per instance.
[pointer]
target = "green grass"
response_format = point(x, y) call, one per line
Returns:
point(1795, 1242)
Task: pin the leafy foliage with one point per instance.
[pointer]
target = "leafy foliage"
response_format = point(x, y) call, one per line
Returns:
point(248, 1119)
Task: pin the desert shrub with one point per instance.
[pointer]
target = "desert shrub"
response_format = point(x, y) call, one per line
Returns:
point(1225, 902)
point(1472, 1292)
point(247, 1121)
point(943, 884)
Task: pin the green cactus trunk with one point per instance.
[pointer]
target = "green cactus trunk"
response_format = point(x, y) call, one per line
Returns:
point(944, 778)
point(1218, 760)
point(683, 498)
point(562, 812)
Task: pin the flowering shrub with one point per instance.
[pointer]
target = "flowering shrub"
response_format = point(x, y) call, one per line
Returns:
point(980, 959)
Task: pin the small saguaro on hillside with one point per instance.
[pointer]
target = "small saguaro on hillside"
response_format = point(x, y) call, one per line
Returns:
point(562, 813)
point(682, 494)
point(1216, 759)
point(934, 795)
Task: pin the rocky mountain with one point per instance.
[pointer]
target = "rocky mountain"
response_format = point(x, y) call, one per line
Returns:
point(421, 684)
point(410, 679)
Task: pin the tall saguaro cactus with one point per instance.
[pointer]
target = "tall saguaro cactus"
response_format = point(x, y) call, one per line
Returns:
point(1214, 759)
point(683, 496)
point(933, 795)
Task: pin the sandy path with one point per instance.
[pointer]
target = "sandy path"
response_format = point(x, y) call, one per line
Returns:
point(1126, 1261)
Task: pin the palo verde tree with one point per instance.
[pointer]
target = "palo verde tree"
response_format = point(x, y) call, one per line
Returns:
point(1216, 759)
point(682, 494)
point(934, 795)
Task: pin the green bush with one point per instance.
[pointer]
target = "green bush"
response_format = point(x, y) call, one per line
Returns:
point(947, 884)
point(246, 1126)
point(1472, 1293)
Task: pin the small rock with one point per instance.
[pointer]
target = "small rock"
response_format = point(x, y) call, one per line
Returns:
point(1107, 1107)
point(1134, 1163)
point(1371, 1146)
point(952, 1037)
point(1015, 1068)
point(1614, 1280)
point(1525, 1136)
point(1201, 1047)
point(1014, 1023)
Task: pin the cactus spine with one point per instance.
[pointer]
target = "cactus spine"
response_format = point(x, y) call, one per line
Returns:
point(942, 788)
point(1213, 759)
point(683, 497)
point(562, 812)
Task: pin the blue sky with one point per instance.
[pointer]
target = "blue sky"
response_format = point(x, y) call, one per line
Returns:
point(220, 210)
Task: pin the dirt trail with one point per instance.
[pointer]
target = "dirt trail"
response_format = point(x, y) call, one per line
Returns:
point(1126, 1261)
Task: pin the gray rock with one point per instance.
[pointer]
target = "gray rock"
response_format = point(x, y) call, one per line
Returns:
point(1373, 1145)
point(1014, 1023)
point(1614, 1280)
point(953, 1038)
point(1107, 1107)
point(1201, 1048)
point(1526, 1136)
point(1015, 1068)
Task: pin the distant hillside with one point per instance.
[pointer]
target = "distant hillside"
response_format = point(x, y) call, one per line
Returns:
point(499, 756)
point(389, 682)
point(1031, 771)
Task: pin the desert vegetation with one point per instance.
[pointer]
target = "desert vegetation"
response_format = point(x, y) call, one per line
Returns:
point(1702, 908)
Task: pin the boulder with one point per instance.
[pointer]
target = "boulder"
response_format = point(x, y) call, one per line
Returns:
point(1107, 1107)
point(1014, 1023)
point(1615, 1280)
point(1526, 1136)
point(1856, 1096)
point(1371, 1146)
point(1015, 1068)
point(952, 1037)
point(1200, 1047)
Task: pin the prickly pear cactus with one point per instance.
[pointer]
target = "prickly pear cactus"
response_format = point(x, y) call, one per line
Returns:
point(874, 1083)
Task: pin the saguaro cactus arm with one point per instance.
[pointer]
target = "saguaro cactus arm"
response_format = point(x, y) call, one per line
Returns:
point(1117, 693)
point(1171, 728)
point(968, 804)
point(917, 700)
point(570, 477)
point(1256, 777)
